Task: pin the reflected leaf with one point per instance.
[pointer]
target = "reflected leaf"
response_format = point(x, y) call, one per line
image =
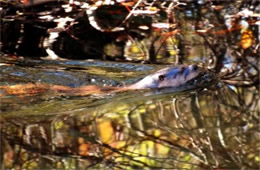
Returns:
point(106, 131)
point(58, 125)
point(83, 149)
point(162, 150)
point(30, 165)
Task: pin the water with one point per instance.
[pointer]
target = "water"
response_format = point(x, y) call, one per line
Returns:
point(216, 126)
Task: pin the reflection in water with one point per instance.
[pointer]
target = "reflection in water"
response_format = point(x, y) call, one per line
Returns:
point(207, 128)
point(214, 128)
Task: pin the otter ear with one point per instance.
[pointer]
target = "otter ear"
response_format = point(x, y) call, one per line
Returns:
point(161, 77)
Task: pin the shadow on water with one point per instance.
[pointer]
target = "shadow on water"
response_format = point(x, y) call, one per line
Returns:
point(212, 127)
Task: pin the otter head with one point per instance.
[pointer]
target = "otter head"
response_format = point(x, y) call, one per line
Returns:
point(171, 77)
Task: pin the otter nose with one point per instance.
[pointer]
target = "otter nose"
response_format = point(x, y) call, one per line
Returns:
point(194, 67)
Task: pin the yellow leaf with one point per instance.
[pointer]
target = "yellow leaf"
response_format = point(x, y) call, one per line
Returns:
point(83, 149)
point(162, 149)
point(106, 132)
point(58, 125)
point(246, 39)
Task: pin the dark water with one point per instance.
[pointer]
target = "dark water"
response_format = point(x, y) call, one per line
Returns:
point(217, 126)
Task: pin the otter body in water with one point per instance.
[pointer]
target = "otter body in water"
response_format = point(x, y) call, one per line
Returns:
point(182, 77)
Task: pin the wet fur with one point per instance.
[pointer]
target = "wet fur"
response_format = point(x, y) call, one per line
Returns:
point(169, 77)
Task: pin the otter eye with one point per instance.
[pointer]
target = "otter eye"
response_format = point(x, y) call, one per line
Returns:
point(194, 67)
point(181, 69)
point(161, 77)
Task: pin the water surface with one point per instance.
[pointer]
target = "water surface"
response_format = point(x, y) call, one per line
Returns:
point(216, 126)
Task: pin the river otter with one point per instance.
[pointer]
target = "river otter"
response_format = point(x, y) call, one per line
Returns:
point(182, 77)
point(173, 77)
